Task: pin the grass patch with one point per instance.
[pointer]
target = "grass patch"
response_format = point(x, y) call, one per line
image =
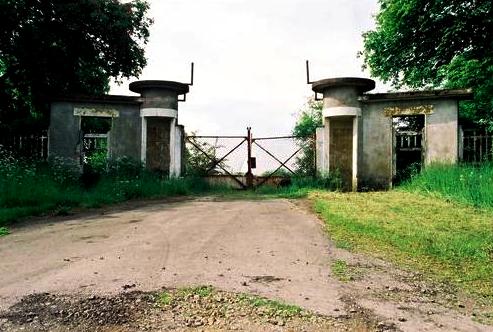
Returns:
point(271, 307)
point(165, 298)
point(299, 187)
point(200, 291)
point(4, 231)
point(340, 270)
point(168, 297)
point(450, 241)
point(467, 184)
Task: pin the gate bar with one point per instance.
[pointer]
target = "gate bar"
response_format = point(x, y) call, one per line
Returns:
point(224, 157)
point(282, 165)
point(270, 154)
point(212, 159)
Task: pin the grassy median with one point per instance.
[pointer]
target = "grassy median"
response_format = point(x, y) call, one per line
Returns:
point(451, 241)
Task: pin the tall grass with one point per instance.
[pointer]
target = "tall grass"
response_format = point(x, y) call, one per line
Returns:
point(28, 188)
point(462, 183)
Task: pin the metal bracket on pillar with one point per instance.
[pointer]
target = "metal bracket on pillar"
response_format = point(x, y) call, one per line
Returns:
point(192, 66)
point(308, 81)
point(308, 72)
point(192, 69)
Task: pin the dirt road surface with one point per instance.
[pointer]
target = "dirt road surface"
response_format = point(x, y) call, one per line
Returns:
point(273, 248)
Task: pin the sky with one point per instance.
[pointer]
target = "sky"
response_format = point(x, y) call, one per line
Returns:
point(250, 57)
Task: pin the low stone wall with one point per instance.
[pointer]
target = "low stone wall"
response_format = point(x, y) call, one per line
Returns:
point(229, 182)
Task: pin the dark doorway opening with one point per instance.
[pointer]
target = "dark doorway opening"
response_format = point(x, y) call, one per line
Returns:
point(158, 156)
point(341, 147)
point(408, 151)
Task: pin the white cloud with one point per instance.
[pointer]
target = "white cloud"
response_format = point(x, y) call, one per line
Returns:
point(249, 56)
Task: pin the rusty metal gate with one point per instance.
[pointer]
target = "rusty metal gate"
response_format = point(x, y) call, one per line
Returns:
point(248, 161)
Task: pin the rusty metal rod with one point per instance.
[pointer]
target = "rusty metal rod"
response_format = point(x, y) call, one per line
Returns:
point(244, 137)
point(224, 157)
point(278, 137)
point(270, 154)
point(212, 159)
point(283, 164)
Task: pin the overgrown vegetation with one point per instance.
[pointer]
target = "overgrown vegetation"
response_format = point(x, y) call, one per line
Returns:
point(54, 47)
point(32, 188)
point(450, 241)
point(309, 119)
point(4, 231)
point(469, 184)
point(438, 44)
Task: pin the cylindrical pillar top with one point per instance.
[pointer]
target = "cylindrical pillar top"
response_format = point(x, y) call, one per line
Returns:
point(342, 91)
point(159, 94)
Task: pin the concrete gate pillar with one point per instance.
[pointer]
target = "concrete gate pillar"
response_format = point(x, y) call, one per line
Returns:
point(161, 146)
point(341, 116)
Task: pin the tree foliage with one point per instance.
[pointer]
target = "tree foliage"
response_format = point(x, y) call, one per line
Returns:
point(309, 119)
point(199, 158)
point(56, 47)
point(435, 44)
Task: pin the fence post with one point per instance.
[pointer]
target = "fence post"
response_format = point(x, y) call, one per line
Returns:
point(249, 175)
point(461, 144)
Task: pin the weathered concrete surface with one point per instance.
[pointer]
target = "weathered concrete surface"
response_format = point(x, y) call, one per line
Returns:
point(442, 133)
point(273, 248)
point(64, 133)
point(126, 133)
point(375, 157)
point(376, 150)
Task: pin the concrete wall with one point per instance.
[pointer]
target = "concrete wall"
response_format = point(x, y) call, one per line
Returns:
point(65, 141)
point(376, 145)
point(158, 98)
point(375, 148)
point(126, 132)
point(179, 154)
point(442, 133)
point(65, 136)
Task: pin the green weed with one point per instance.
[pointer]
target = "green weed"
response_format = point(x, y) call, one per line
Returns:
point(201, 291)
point(340, 270)
point(165, 298)
point(4, 231)
point(272, 307)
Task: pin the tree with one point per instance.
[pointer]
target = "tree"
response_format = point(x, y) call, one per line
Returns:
point(309, 119)
point(435, 44)
point(199, 158)
point(58, 47)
